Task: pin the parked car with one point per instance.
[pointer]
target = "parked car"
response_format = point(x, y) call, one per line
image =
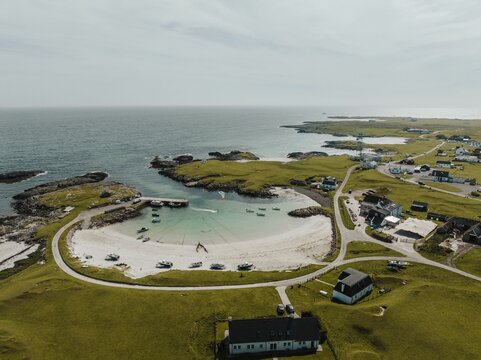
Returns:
point(280, 309)
point(290, 309)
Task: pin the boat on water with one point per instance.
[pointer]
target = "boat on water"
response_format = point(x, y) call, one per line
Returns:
point(245, 266)
point(155, 215)
point(222, 194)
point(142, 229)
point(145, 239)
point(156, 203)
point(175, 205)
point(155, 220)
point(262, 209)
point(163, 264)
point(195, 264)
point(112, 257)
point(276, 208)
point(249, 211)
point(155, 209)
point(261, 214)
point(217, 266)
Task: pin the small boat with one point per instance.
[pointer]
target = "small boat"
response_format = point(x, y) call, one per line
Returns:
point(195, 264)
point(261, 214)
point(155, 215)
point(276, 208)
point(142, 229)
point(262, 209)
point(155, 220)
point(145, 239)
point(175, 205)
point(222, 194)
point(249, 211)
point(164, 264)
point(245, 266)
point(156, 203)
point(155, 209)
point(217, 266)
point(112, 257)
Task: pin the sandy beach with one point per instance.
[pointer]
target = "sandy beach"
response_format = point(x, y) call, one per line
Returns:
point(304, 244)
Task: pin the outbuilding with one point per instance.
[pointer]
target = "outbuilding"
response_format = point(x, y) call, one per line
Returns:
point(352, 285)
point(419, 206)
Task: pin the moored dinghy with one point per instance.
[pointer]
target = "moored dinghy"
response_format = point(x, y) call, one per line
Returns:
point(164, 264)
point(217, 266)
point(195, 265)
point(245, 266)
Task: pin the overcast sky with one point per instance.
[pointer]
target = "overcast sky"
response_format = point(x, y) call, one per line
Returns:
point(243, 52)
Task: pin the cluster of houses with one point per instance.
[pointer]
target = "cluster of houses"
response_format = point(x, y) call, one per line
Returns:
point(380, 211)
point(467, 229)
point(444, 176)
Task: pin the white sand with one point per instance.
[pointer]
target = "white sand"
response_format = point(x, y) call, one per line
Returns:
point(10, 248)
point(303, 245)
point(10, 263)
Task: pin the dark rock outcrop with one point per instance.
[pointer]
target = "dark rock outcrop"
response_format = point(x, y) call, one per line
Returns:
point(296, 182)
point(307, 212)
point(91, 177)
point(234, 155)
point(17, 176)
point(116, 216)
point(305, 155)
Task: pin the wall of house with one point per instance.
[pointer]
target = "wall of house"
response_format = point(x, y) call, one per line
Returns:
point(351, 300)
point(282, 345)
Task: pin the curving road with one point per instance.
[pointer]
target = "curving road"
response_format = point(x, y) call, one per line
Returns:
point(347, 236)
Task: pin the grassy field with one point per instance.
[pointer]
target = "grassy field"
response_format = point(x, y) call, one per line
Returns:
point(358, 249)
point(427, 316)
point(255, 175)
point(405, 194)
point(346, 218)
point(470, 262)
point(443, 186)
point(46, 315)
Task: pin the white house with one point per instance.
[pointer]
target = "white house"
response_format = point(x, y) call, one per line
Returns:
point(352, 285)
point(460, 150)
point(329, 183)
point(276, 335)
point(444, 164)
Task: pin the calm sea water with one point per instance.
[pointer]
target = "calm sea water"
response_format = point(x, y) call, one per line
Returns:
point(121, 141)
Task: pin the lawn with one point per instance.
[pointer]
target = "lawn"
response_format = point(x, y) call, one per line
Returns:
point(429, 315)
point(358, 249)
point(405, 194)
point(346, 217)
point(255, 175)
point(470, 262)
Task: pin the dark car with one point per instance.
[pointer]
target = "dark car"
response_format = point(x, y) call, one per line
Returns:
point(290, 309)
point(281, 309)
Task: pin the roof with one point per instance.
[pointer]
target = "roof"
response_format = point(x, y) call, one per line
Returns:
point(440, 173)
point(374, 199)
point(420, 203)
point(443, 162)
point(273, 329)
point(417, 227)
point(353, 280)
point(392, 219)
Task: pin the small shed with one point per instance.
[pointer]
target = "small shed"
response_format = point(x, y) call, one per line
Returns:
point(419, 206)
point(392, 221)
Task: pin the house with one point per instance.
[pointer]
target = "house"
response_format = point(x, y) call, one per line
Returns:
point(329, 183)
point(366, 165)
point(419, 206)
point(441, 153)
point(473, 234)
point(352, 285)
point(444, 164)
point(458, 224)
point(467, 158)
point(376, 217)
point(441, 176)
point(418, 131)
point(376, 202)
point(278, 335)
point(436, 216)
point(425, 167)
point(460, 150)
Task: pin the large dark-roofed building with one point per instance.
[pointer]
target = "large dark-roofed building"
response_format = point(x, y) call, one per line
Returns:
point(273, 335)
point(351, 286)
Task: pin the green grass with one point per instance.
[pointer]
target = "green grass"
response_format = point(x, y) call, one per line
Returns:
point(405, 194)
point(443, 186)
point(470, 261)
point(46, 315)
point(346, 217)
point(358, 249)
point(256, 175)
point(429, 315)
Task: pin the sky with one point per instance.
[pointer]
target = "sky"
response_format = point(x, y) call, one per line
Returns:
point(243, 52)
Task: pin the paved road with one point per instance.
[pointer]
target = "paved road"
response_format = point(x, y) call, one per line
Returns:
point(346, 236)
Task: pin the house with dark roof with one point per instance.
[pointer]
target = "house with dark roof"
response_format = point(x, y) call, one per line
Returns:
point(276, 335)
point(329, 183)
point(419, 206)
point(389, 207)
point(441, 176)
point(444, 164)
point(376, 217)
point(352, 285)
point(473, 234)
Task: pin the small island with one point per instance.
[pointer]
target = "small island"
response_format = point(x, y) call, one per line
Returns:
point(17, 176)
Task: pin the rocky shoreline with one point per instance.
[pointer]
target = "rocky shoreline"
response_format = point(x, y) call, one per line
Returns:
point(305, 155)
point(17, 176)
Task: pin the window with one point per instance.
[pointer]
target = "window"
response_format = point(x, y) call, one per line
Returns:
point(261, 346)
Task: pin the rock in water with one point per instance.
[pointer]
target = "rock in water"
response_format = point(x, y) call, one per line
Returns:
point(17, 176)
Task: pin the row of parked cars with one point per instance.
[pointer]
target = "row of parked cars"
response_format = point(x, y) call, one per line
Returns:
point(281, 309)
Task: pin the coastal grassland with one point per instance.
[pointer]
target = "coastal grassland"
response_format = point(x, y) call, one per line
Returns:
point(390, 126)
point(430, 249)
point(442, 186)
point(346, 217)
point(404, 193)
point(87, 196)
point(358, 249)
point(44, 314)
point(179, 277)
point(470, 261)
point(256, 175)
point(413, 147)
point(428, 315)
